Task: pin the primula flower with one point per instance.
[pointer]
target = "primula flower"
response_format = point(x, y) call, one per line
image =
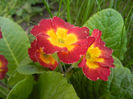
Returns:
point(0, 34)
point(3, 67)
point(38, 55)
point(98, 60)
point(68, 41)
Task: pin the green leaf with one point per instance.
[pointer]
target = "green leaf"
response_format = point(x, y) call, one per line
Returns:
point(111, 23)
point(119, 85)
point(25, 61)
point(53, 85)
point(30, 69)
point(22, 89)
point(14, 44)
point(15, 78)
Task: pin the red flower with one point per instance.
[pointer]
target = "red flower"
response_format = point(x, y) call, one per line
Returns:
point(3, 67)
point(0, 34)
point(37, 54)
point(55, 35)
point(98, 60)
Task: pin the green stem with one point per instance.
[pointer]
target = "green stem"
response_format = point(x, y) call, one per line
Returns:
point(79, 13)
point(111, 3)
point(68, 11)
point(60, 3)
point(60, 67)
point(99, 8)
point(128, 15)
point(69, 69)
point(48, 9)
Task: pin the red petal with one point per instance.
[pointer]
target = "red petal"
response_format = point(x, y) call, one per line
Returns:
point(32, 51)
point(90, 74)
point(42, 27)
point(82, 63)
point(58, 22)
point(103, 73)
point(82, 33)
point(95, 74)
point(108, 62)
point(0, 34)
point(3, 67)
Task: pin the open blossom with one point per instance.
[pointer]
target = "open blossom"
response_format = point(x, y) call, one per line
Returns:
point(38, 55)
point(3, 67)
point(55, 35)
point(97, 61)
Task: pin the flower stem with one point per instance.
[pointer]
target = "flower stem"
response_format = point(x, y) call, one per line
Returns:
point(48, 9)
point(61, 69)
point(69, 69)
point(60, 4)
point(68, 11)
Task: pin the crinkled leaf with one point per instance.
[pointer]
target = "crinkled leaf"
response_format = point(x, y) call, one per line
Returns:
point(14, 44)
point(119, 85)
point(111, 23)
point(22, 89)
point(53, 85)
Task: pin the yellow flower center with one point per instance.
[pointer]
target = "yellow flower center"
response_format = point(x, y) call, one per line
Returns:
point(61, 39)
point(48, 59)
point(92, 57)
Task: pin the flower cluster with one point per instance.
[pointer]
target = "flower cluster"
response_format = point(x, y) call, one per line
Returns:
point(71, 43)
point(3, 64)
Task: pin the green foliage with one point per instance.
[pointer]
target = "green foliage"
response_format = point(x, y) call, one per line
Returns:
point(52, 85)
point(119, 85)
point(30, 69)
point(48, 9)
point(15, 78)
point(129, 24)
point(14, 44)
point(22, 89)
point(22, 9)
point(25, 61)
point(111, 24)
point(81, 10)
